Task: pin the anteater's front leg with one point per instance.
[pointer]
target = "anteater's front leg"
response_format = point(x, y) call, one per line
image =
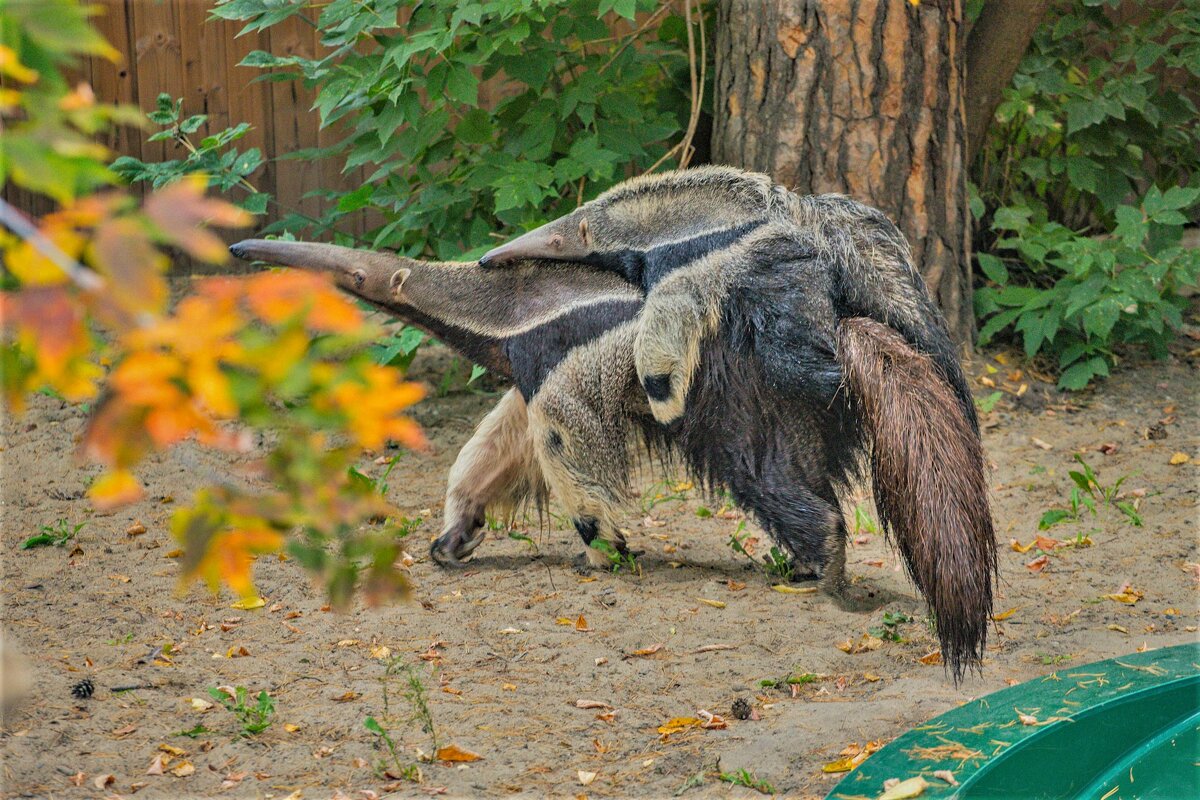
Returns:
point(496, 470)
point(580, 427)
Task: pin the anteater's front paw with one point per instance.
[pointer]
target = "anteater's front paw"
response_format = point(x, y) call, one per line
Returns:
point(449, 549)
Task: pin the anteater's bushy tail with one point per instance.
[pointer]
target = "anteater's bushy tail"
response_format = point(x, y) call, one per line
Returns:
point(930, 488)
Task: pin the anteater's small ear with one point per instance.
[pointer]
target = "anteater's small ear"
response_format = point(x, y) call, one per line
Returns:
point(583, 232)
point(398, 279)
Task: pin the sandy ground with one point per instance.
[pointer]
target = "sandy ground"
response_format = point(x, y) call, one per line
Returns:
point(503, 676)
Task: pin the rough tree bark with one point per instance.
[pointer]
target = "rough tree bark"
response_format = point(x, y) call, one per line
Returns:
point(998, 40)
point(863, 97)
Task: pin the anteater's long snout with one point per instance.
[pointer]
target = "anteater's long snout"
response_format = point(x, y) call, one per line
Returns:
point(365, 273)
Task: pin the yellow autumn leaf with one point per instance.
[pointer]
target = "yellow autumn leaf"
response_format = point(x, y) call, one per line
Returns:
point(1004, 614)
point(785, 589)
point(453, 752)
point(114, 489)
point(563, 621)
point(1128, 596)
point(906, 789)
point(1022, 548)
point(713, 603)
point(841, 765)
point(11, 66)
point(248, 603)
point(1179, 458)
point(677, 724)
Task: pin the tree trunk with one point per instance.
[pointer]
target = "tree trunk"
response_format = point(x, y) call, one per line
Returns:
point(859, 97)
point(998, 40)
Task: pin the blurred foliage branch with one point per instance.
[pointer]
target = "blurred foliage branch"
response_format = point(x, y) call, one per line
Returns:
point(278, 356)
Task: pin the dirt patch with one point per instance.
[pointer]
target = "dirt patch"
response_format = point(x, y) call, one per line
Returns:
point(502, 673)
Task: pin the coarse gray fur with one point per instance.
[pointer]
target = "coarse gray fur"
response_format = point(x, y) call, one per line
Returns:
point(785, 341)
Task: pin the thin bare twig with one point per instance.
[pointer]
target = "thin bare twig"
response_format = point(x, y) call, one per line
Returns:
point(633, 36)
point(685, 155)
point(684, 148)
point(80, 275)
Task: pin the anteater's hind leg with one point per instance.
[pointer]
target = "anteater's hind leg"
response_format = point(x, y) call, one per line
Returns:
point(805, 524)
point(496, 470)
point(580, 427)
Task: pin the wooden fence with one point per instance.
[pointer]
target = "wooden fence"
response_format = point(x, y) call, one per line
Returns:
point(172, 46)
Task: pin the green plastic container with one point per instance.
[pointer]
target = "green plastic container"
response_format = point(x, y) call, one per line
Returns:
point(1119, 729)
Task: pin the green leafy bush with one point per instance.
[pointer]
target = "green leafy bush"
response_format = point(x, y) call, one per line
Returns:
point(1091, 171)
point(576, 107)
point(225, 166)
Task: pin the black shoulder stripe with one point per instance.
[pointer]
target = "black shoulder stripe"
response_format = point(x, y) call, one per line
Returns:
point(645, 268)
point(536, 352)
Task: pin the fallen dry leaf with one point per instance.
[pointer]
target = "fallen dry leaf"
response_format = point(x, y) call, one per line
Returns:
point(677, 724)
point(77, 779)
point(581, 624)
point(381, 652)
point(156, 766)
point(136, 529)
point(840, 765)
point(1038, 564)
point(200, 704)
point(1045, 543)
point(863, 645)
point(783, 589)
point(903, 790)
point(713, 603)
point(645, 651)
point(947, 776)
point(291, 727)
point(346, 697)
point(712, 648)
point(183, 770)
point(1003, 615)
point(172, 750)
point(123, 732)
point(1179, 458)
point(1027, 719)
point(735, 586)
point(711, 721)
point(591, 704)
point(1021, 548)
point(1039, 443)
point(100, 781)
point(176, 553)
point(585, 778)
point(248, 603)
point(453, 752)
point(237, 651)
point(931, 658)
point(1126, 594)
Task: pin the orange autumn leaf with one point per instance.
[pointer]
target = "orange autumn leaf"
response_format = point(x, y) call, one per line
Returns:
point(230, 554)
point(1045, 543)
point(276, 297)
point(1038, 564)
point(372, 408)
point(454, 753)
point(115, 488)
point(121, 250)
point(180, 209)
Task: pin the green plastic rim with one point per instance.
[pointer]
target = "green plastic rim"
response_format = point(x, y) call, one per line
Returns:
point(1128, 727)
